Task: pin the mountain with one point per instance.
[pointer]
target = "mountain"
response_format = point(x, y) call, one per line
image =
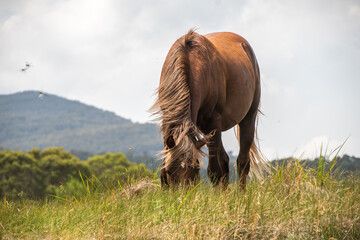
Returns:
point(28, 120)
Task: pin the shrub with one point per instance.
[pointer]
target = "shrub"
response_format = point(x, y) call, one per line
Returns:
point(20, 175)
point(113, 168)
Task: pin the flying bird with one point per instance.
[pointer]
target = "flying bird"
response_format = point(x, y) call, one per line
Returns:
point(42, 94)
point(27, 66)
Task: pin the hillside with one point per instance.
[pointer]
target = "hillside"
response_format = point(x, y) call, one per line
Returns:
point(346, 164)
point(27, 122)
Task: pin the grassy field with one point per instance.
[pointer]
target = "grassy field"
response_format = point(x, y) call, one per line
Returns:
point(290, 203)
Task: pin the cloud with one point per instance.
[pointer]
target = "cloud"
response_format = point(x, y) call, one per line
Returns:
point(10, 23)
point(354, 10)
point(319, 145)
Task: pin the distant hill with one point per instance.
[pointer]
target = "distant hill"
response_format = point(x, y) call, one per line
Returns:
point(27, 121)
point(345, 164)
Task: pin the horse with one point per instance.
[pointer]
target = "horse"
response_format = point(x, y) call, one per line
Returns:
point(208, 84)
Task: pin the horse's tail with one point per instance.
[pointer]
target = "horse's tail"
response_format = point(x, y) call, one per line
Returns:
point(259, 165)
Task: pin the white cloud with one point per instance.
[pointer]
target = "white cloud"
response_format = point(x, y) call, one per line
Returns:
point(319, 145)
point(10, 23)
point(354, 10)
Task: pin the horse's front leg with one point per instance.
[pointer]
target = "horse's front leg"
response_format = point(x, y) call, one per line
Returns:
point(218, 168)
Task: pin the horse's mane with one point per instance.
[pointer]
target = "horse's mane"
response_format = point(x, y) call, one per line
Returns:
point(173, 104)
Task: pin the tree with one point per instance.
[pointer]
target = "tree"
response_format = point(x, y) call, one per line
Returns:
point(113, 167)
point(20, 175)
point(39, 173)
point(59, 166)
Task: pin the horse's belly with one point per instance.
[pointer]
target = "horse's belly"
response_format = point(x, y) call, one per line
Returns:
point(231, 117)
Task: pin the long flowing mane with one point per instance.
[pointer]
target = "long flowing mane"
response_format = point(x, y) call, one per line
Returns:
point(173, 105)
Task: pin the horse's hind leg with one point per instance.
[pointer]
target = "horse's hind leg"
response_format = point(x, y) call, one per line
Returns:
point(247, 131)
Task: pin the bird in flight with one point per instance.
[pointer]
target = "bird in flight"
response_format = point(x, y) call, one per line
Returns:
point(42, 94)
point(27, 66)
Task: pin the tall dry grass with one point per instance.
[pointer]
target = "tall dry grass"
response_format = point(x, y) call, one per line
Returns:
point(290, 203)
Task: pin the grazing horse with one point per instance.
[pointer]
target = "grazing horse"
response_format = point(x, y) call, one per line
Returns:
point(209, 84)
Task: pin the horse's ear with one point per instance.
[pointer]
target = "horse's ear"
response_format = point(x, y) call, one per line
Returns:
point(199, 143)
point(170, 142)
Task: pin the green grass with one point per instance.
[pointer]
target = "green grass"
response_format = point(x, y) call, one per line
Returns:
point(290, 203)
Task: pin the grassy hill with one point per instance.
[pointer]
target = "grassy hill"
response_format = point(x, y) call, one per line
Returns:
point(27, 122)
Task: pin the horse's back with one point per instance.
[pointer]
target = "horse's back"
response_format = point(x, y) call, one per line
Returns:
point(241, 77)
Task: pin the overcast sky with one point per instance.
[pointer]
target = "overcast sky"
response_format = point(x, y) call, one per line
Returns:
point(109, 53)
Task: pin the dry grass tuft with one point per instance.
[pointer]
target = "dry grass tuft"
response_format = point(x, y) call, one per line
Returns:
point(143, 186)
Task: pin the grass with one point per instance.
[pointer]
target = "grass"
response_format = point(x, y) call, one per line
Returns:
point(290, 203)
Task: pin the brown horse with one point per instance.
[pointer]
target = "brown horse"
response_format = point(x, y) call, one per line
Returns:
point(209, 84)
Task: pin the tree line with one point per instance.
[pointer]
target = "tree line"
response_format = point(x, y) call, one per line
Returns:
point(39, 173)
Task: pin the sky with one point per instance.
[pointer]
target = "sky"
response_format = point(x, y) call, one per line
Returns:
point(109, 54)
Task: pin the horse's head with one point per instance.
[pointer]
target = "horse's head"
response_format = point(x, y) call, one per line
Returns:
point(182, 158)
